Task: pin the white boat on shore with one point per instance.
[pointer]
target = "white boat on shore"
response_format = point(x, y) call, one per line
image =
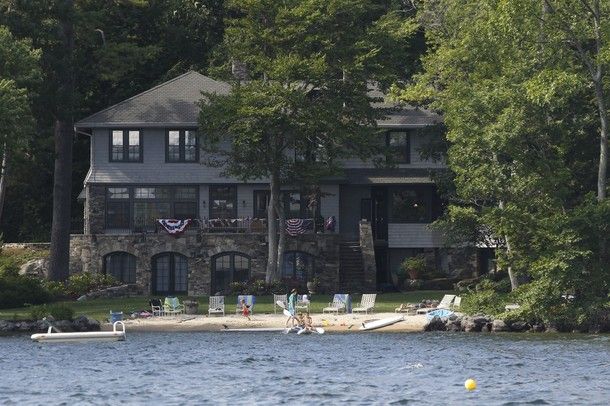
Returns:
point(375, 324)
point(59, 337)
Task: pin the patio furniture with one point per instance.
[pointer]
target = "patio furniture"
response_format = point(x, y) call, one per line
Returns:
point(457, 303)
point(408, 308)
point(339, 304)
point(303, 303)
point(445, 303)
point(510, 307)
point(367, 303)
point(172, 306)
point(279, 298)
point(249, 300)
point(217, 305)
point(156, 307)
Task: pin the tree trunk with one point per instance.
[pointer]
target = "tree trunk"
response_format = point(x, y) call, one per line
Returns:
point(59, 261)
point(514, 283)
point(274, 186)
point(3, 177)
point(603, 142)
point(281, 246)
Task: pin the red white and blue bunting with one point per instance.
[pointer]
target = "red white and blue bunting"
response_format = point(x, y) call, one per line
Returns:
point(174, 227)
point(295, 227)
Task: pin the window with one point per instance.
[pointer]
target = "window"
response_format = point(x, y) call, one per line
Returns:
point(121, 266)
point(170, 274)
point(117, 208)
point(126, 146)
point(141, 207)
point(228, 268)
point(223, 202)
point(399, 146)
point(182, 146)
point(412, 204)
point(296, 204)
point(298, 266)
point(261, 203)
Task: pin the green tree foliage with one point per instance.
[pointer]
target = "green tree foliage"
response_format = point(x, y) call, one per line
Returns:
point(306, 102)
point(522, 113)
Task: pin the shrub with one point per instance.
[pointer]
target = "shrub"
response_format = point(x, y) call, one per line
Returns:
point(16, 290)
point(414, 266)
point(56, 290)
point(57, 311)
point(85, 282)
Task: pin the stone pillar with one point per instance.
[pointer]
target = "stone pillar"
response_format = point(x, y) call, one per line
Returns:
point(367, 246)
point(95, 207)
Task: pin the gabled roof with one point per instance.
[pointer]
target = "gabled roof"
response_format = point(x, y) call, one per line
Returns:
point(170, 103)
point(174, 103)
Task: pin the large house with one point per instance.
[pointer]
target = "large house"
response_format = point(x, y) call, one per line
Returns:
point(146, 165)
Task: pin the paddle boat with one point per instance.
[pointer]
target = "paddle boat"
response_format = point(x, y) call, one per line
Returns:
point(58, 337)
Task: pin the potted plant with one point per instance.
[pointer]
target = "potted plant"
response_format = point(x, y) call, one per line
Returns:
point(414, 266)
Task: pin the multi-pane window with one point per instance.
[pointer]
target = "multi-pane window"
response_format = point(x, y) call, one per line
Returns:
point(126, 146)
point(117, 208)
point(170, 273)
point(121, 265)
point(296, 204)
point(223, 202)
point(399, 146)
point(140, 207)
point(228, 268)
point(298, 266)
point(412, 204)
point(182, 146)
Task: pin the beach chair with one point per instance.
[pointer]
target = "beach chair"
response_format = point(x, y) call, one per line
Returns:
point(408, 308)
point(457, 303)
point(445, 303)
point(156, 307)
point(339, 304)
point(279, 298)
point(216, 305)
point(367, 303)
point(172, 306)
point(249, 299)
point(303, 303)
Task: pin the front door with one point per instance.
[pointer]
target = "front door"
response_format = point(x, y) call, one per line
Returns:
point(379, 213)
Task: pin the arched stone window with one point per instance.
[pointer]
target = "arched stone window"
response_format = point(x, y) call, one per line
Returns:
point(229, 267)
point(169, 273)
point(120, 265)
point(298, 266)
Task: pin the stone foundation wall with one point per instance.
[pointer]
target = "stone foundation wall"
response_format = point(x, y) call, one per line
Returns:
point(87, 253)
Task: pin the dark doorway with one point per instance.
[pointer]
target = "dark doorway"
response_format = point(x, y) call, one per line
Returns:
point(381, 262)
point(379, 213)
point(169, 274)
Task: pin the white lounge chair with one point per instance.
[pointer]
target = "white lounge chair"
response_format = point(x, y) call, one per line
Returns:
point(367, 303)
point(445, 303)
point(217, 305)
point(337, 305)
point(302, 303)
point(457, 303)
point(172, 306)
point(279, 298)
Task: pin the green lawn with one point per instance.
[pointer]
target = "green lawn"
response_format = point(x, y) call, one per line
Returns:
point(100, 308)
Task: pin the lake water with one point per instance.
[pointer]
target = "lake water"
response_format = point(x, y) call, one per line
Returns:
point(271, 368)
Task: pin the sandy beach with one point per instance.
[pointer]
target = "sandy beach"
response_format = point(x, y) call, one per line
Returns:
point(342, 323)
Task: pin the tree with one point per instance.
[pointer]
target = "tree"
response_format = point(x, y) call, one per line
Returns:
point(18, 71)
point(520, 108)
point(305, 104)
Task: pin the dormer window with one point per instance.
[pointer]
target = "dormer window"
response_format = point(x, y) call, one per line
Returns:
point(182, 146)
point(399, 146)
point(126, 146)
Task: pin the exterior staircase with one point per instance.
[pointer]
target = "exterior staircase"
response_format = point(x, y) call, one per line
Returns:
point(351, 268)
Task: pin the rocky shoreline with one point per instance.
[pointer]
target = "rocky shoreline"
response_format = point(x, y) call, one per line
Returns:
point(81, 323)
point(487, 324)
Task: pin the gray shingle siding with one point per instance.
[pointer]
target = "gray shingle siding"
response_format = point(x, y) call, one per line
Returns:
point(413, 236)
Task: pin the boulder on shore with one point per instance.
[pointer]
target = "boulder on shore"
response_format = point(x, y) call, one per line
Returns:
point(436, 324)
point(499, 326)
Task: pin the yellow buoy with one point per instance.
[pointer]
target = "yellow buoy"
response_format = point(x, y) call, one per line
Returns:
point(470, 384)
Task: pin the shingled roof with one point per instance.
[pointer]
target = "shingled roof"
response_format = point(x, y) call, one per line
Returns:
point(170, 103)
point(175, 103)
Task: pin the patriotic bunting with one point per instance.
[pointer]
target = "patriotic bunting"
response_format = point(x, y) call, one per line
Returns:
point(174, 227)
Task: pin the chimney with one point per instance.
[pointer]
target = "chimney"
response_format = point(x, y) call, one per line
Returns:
point(239, 70)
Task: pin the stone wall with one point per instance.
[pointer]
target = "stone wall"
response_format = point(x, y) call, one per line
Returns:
point(94, 209)
point(87, 253)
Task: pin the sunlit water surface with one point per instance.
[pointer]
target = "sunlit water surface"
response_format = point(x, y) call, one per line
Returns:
point(270, 368)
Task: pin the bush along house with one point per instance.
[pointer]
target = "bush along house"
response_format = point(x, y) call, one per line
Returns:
point(146, 171)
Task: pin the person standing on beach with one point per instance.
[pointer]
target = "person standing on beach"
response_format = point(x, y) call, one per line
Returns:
point(245, 309)
point(292, 305)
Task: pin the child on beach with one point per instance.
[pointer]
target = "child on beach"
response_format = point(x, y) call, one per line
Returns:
point(292, 304)
point(245, 309)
